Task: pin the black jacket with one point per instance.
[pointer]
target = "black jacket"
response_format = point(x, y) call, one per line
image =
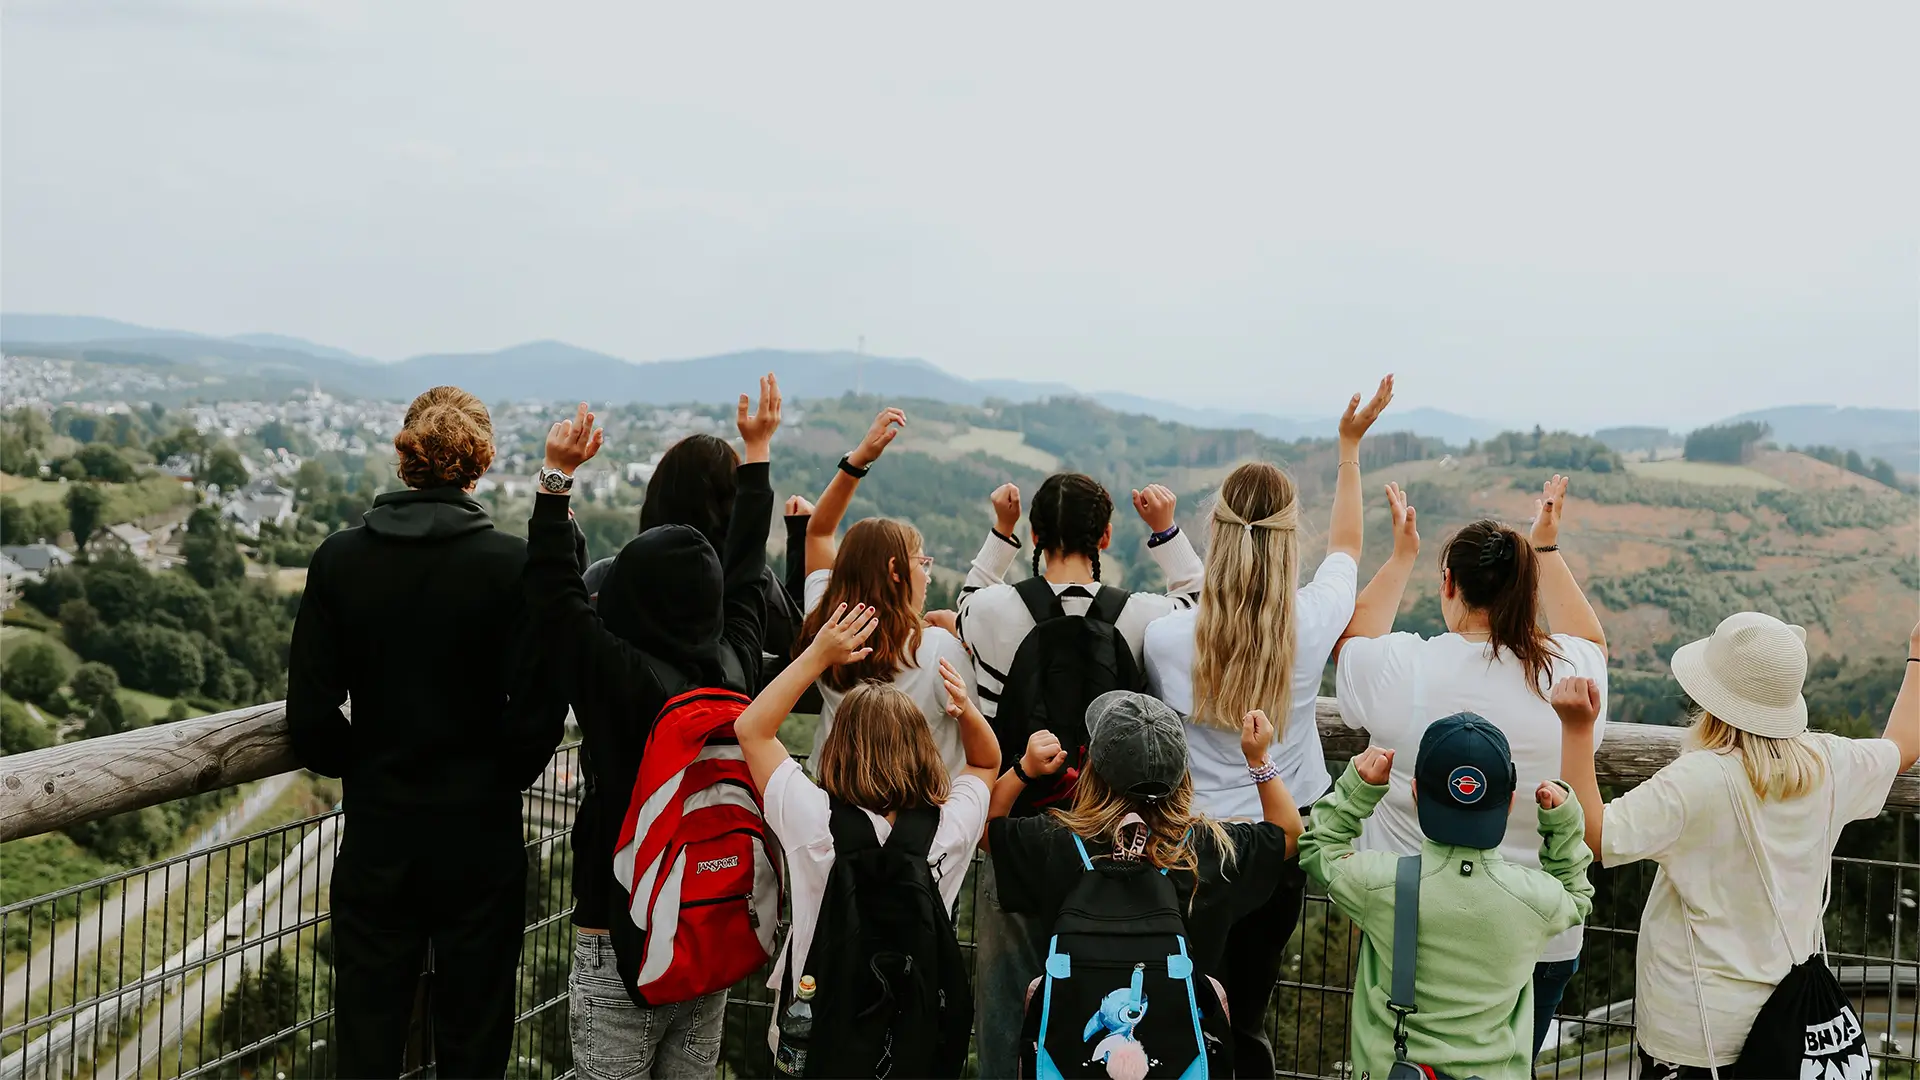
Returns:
point(670, 617)
point(419, 616)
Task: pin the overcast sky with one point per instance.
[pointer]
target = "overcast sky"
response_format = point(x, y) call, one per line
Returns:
point(1639, 213)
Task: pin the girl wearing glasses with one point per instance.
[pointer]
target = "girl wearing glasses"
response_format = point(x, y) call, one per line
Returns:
point(882, 563)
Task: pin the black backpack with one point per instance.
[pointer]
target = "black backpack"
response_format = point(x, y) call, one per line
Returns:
point(892, 997)
point(1061, 666)
point(1120, 996)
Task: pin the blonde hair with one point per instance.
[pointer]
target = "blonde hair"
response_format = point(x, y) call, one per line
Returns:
point(447, 440)
point(1098, 810)
point(879, 754)
point(1778, 769)
point(1243, 635)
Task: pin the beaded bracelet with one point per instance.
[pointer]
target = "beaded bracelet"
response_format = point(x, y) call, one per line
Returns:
point(1267, 771)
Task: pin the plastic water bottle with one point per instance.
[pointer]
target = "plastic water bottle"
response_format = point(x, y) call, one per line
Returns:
point(796, 1031)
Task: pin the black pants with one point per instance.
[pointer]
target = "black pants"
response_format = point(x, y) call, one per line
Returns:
point(457, 883)
point(1651, 1069)
point(1256, 947)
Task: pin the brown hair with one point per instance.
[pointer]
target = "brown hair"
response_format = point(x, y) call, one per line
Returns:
point(1498, 574)
point(1243, 639)
point(879, 754)
point(874, 566)
point(447, 440)
point(1070, 514)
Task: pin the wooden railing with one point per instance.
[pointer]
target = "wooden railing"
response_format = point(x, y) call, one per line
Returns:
point(79, 781)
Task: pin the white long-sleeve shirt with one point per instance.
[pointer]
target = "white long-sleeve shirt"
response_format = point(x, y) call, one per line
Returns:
point(994, 620)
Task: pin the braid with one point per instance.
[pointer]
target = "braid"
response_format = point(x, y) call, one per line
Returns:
point(1070, 513)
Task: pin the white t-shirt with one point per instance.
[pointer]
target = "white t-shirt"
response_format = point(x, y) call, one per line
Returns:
point(1395, 686)
point(1683, 818)
point(799, 813)
point(994, 620)
point(921, 683)
point(1221, 787)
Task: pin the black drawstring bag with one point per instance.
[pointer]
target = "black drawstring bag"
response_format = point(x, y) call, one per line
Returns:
point(1807, 1027)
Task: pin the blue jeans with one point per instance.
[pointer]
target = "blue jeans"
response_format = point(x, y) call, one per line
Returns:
point(1008, 956)
point(1550, 979)
point(614, 1039)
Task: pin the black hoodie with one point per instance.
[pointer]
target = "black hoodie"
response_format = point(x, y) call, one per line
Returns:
point(671, 617)
point(418, 614)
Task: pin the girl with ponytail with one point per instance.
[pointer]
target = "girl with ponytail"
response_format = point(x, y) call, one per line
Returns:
point(1496, 588)
point(1259, 640)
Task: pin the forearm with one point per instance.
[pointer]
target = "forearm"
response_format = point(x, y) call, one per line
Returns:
point(1277, 808)
point(797, 557)
point(1576, 770)
point(1180, 565)
point(1006, 792)
point(825, 523)
point(1337, 819)
point(759, 723)
point(990, 566)
point(1903, 723)
point(1348, 530)
point(1564, 854)
point(745, 558)
point(1564, 605)
point(979, 743)
point(1379, 602)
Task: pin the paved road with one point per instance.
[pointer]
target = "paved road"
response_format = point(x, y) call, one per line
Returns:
point(98, 929)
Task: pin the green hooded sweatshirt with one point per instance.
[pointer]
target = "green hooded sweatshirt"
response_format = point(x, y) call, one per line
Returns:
point(1481, 932)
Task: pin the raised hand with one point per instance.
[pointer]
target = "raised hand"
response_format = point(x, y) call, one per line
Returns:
point(1155, 504)
point(798, 506)
point(879, 435)
point(756, 430)
point(1356, 420)
point(944, 619)
point(959, 703)
point(1577, 701)
point(1375, 765)
point(1006, 509)
point(1256, 738)
point(1549, 795)
point(843, 639)
point(572, 443)
point(1044, 756)
point(1406, 534)
point(1546, 512)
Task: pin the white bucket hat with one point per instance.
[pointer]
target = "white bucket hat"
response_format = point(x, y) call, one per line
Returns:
point(1749, 674)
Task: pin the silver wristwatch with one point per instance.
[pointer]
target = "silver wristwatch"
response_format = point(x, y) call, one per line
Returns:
point(554, 482)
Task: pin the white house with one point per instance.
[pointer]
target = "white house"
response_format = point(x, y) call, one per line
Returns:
point(261, 502)
point(126, 537)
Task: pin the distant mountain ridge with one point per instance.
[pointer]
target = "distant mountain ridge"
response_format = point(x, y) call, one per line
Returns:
point(548, 369)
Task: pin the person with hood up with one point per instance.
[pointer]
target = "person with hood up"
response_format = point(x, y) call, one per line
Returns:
point(418, 616)
point(672, 615)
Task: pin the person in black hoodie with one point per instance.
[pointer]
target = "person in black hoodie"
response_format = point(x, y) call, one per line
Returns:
point(419, 617)
point(671, 616)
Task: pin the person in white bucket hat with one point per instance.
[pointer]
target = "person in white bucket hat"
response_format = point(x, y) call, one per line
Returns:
point(1742, 824)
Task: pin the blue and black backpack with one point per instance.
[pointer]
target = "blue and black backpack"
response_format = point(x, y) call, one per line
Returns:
point(1121, 998)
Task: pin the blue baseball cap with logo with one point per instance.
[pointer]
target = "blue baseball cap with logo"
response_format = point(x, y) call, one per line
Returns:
point(1466, 779)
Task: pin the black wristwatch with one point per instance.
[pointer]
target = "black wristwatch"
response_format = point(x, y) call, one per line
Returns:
point(856, 471)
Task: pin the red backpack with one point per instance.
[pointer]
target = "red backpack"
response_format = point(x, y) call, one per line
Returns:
point(695, 856)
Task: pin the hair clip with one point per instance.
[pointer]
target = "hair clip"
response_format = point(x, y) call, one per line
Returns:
point(1497, 549)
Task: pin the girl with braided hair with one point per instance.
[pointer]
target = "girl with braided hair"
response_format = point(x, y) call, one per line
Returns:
point(1071, 524)
point(1259, 639)
point(1497, 585)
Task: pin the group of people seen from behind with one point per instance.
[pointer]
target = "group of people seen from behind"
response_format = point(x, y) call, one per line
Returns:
point(1143, 771)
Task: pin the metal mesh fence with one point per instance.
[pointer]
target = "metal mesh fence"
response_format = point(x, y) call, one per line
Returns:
point(217, 963)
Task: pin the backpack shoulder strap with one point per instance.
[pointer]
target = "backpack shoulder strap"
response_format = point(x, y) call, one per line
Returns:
point(1108, 603)
point(1037, 593)
point(912, 831)
point(1406, 940)
point(851, 829)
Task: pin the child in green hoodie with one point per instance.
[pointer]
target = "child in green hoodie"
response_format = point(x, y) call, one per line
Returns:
point(1483, 920)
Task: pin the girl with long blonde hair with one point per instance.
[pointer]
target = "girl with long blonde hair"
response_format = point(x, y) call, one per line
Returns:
point(1135, 800)
point(1743, 826)
point(1259, 640)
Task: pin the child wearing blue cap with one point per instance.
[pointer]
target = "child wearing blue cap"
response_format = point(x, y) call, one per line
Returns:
point(1481, 920)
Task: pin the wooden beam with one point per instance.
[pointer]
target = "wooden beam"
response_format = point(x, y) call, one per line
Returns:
point(80, 781)
point(64, 785)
